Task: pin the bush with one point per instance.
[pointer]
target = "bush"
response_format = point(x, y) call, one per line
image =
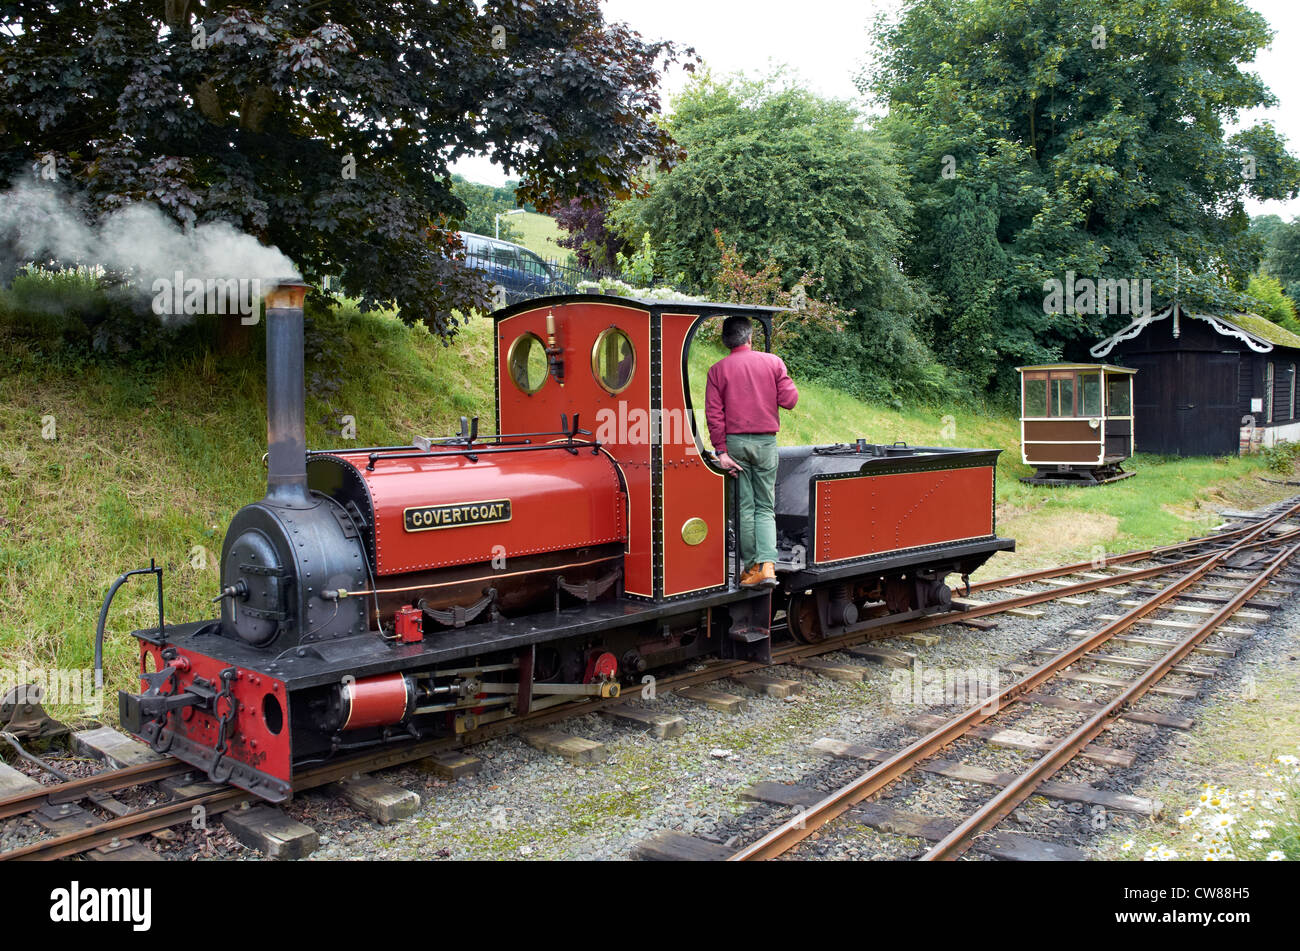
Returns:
point(82, 310)
point(1281, 457)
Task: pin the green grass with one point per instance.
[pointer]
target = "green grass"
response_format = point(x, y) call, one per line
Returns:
point(153, 461)
point(539, 234)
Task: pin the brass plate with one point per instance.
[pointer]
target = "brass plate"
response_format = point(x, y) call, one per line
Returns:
point(694, 531)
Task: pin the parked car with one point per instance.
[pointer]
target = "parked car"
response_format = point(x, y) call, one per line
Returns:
point(519, 273)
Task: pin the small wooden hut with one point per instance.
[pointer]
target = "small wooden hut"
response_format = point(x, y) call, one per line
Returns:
point(1076, 422)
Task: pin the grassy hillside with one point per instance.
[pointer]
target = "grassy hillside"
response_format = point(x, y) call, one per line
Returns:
point(539, 234)
point(152, 461)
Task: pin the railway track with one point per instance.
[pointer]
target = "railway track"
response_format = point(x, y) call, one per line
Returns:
point(1245, 549)
point(1189, 561)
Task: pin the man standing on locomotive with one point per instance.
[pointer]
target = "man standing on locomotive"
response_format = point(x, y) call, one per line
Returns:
point(744, 390)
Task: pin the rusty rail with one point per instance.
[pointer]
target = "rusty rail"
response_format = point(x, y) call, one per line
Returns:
point(997, 808)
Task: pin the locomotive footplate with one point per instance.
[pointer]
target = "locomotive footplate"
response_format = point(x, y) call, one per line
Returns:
point(323, 662)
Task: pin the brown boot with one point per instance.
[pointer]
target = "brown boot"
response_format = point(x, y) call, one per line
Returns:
point(768, 575)
point(752, 577)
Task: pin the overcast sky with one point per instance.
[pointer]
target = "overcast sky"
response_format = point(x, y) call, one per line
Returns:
point(826, 42)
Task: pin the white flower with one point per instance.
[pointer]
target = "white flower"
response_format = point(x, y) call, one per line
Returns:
point(1127, 846)
point(1274, 856)
point(1287, 760)
point(1259, 835)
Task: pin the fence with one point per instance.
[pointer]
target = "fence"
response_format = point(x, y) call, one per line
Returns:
point(517, 275)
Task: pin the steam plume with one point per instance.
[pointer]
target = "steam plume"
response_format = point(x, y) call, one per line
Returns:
point(39, 224)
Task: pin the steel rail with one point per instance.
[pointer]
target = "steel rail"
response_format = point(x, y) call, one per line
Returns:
point(107, 781)
point(997, 808)
point(1010, 581)
point(129, 826)
point(793, 831)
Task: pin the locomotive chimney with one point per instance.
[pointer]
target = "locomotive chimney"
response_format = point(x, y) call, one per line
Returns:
point(286, 415)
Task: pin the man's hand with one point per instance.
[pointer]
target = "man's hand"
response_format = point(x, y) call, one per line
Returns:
point(729, 464)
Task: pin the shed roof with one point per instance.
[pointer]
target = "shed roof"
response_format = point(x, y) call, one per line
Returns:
point(1257, 333)
point(1265, 329)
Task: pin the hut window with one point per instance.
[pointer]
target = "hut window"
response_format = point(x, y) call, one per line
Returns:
point(1117, 396)
point(1268, 393)
point(1090, 391)
point(1063, 397)
point(1035, 397)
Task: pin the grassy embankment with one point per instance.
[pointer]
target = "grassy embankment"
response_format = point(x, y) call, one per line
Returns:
point(153, 461)
point(538, 235)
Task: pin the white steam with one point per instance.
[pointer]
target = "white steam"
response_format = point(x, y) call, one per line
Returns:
point(138, 240)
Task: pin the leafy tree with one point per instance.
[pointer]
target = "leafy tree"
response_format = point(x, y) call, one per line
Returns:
point(1282, 257)
point(1087, 136)
point(588, 235)
point(788, 177)
point(1259, 237)
point(327, 128)
point(482, 205)
point(805, 312)
point(1271, 303)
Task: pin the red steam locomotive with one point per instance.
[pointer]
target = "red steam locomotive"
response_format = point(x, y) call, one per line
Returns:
point(394, 593)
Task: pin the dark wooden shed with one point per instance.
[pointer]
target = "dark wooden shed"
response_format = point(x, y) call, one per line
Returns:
point(1209, 384)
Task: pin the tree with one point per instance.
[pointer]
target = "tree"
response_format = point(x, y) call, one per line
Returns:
point(588, 235)
point(788, 177)
point(1091, 138)
point(804, 312)
point(327, 129)
point(482, 205)
point(1282, 257)
point(1271, 303)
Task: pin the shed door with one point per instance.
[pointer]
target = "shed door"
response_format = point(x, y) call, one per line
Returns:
point(1186, 403)
point(1208, 416)
point(1153, 405)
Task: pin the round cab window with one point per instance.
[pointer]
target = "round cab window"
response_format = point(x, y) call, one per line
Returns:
point(527, 362)
point(613, 360)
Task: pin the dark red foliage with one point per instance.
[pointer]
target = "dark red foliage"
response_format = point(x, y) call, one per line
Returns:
point(253, 113)
point(595, 245)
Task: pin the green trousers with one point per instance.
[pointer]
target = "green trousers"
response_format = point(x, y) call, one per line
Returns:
point(756, 454)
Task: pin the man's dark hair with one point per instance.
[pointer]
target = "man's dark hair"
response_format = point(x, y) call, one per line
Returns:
point(736, 330)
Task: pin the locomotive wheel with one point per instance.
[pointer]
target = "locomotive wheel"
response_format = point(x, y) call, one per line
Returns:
point(802, 618)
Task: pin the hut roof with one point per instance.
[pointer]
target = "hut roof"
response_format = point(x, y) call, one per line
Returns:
point(1256, 332)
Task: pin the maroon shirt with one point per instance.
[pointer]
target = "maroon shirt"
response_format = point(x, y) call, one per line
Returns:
point(743, 393)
